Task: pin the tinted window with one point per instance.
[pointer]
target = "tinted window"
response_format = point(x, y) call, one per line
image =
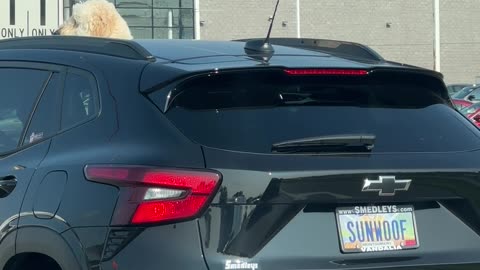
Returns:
point(46, 118)
point(79, 99)
point(251, 111)
point(19, 89)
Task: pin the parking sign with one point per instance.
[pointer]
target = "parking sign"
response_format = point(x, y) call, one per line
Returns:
point(21, 18)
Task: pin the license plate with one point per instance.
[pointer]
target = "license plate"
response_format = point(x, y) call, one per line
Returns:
point(377, 228)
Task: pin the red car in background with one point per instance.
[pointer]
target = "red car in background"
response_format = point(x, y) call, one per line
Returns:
point(466, 97)
point(472, 113)
point(461, 104)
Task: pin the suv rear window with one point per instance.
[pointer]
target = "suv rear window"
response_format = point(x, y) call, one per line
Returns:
point(250, 111)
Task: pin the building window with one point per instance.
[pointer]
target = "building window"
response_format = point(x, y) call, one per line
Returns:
point(67, 5)
point(153, 19)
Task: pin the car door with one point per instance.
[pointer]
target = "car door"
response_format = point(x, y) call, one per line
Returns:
point(23, 143)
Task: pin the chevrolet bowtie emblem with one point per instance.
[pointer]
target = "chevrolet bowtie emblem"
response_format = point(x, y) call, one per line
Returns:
point(386, 185)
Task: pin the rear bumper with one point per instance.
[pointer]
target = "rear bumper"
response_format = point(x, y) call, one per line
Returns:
point(308, 239)
point(178, 247)
point(432, 267)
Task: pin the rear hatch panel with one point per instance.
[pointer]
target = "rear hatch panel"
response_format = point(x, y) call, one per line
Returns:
point(279, 210)
point(283, 217)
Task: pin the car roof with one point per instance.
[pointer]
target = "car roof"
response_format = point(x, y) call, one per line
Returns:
point(197, 55)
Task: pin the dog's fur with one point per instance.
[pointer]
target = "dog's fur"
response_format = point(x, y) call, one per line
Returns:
point(95, 18)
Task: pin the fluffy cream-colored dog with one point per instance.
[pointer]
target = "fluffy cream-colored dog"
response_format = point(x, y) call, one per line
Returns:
point(95, 18)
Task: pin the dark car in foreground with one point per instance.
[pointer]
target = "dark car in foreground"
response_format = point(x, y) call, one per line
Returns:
point(176, 154)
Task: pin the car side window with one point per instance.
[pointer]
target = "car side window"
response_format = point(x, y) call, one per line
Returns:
point(46, 118)
point(475, 95)
point(79, 99)
point(19, 91)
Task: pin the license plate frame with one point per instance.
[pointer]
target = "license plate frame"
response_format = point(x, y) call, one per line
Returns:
point(358, 221)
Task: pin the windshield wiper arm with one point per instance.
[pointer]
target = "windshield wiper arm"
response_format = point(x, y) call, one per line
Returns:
point(332, 143)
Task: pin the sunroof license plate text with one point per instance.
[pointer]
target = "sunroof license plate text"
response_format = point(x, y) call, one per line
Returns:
point(377, 228)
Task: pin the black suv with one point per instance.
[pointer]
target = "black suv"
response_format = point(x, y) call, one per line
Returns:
point(177, 154)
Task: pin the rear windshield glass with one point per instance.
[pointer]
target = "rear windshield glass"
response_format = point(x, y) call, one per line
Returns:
point(250, 111)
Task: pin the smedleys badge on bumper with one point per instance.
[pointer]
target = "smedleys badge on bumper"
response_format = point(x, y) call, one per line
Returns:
point(237, 264)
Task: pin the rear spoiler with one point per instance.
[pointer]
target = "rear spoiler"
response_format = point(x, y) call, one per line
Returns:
point(167, 90)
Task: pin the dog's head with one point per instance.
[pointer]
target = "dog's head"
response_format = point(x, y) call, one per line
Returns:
point(97, 18)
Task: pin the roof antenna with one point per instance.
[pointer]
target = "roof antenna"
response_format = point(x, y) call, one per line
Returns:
point(262, 49)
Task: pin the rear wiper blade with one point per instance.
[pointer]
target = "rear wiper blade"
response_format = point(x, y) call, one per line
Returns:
point(324, 144)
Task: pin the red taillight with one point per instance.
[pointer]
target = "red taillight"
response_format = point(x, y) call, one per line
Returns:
point(199, 182)
point(157, 195)
point(341, 72)
point(168, 210)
